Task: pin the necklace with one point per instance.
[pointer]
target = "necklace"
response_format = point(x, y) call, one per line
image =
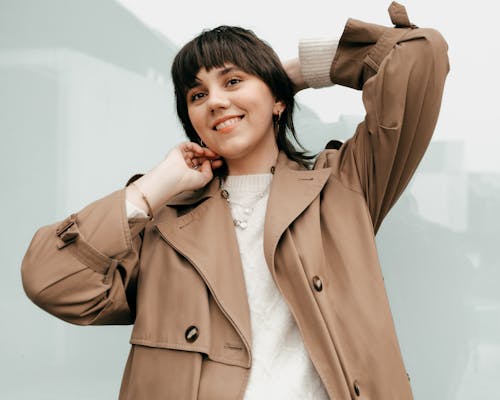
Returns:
point(242, 210)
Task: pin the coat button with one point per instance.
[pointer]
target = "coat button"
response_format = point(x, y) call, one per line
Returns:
point(318, 285)
point(192, 334)
point(356, 388)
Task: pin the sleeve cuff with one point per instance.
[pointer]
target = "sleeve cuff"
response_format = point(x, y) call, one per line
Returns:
point(316, 57)
point(133, 211)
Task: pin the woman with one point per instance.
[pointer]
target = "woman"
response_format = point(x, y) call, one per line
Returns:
point(263, 280)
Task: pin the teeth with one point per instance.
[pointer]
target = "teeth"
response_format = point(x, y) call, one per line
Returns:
point(227, 123)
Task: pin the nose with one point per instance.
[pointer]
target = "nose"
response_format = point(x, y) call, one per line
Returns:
point(217, 99)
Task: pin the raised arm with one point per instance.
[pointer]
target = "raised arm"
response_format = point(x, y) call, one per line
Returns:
point(401, 71)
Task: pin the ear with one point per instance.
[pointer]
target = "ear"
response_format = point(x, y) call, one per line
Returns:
point(279, 107)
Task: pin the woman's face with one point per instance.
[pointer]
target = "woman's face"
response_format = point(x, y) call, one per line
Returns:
point(232, 112)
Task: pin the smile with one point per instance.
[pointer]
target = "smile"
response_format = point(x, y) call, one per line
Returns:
point(226, 123)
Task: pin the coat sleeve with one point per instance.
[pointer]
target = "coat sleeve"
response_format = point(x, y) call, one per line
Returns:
point(401, 71)
point(84, 269)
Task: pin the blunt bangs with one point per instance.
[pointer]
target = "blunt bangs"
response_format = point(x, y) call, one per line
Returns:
point(220, 46)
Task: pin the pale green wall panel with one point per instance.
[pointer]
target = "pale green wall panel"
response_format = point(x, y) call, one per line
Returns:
point(86, 101)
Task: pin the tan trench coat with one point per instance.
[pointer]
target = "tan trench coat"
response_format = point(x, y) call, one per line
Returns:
point(179, 278)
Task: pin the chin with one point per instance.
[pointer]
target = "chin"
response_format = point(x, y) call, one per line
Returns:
point(233, 149)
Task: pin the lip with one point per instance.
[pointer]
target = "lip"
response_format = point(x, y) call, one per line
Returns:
point(223, 119)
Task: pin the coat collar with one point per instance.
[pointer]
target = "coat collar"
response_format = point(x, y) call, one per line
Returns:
point(286, 169)
point(292, 190)
point(206, 236)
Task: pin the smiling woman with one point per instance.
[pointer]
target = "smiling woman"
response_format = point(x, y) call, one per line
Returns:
point(248, 271)
point(232, 113)
point(241, 60)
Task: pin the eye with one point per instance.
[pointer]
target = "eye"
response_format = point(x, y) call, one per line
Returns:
point(233, 81)
point(196, 96)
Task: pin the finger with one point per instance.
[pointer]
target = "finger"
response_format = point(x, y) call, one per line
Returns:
point(185, 149)
point(206, 169)
point(188, 156)
point(200, 160)
point(195, 163)
point(192, 149)
point(198, 150)
point(209, 153)
point(216, 163)
point(194, 155)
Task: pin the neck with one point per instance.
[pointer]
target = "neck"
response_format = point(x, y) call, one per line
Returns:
point(260, 163)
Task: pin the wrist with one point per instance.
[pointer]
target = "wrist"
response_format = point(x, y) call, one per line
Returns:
point(156, 187)
point(293, 70)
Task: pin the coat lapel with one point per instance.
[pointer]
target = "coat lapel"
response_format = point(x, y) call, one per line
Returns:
point(206, 237)
point(292, 190)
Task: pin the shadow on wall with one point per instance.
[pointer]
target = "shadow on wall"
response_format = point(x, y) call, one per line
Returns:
point(441, 271)
point(85, 102)
point(101, 29)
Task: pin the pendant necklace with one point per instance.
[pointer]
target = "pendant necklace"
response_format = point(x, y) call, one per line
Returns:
point(242, 211)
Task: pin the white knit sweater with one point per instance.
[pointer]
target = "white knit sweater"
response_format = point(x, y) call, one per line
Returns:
point(281, 367)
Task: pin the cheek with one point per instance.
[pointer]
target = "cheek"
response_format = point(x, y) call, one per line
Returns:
point(264, 113)
point(195, 119)
point(262, 104)
point(256, 105)
point(198, 122)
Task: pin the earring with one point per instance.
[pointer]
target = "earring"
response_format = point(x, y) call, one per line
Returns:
point(277, 118)
point(201, 143)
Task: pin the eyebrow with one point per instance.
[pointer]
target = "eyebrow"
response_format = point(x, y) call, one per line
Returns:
point(227, 70)
point(220, 73)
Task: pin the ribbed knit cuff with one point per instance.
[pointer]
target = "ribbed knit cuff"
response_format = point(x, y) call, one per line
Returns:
point(316, 57)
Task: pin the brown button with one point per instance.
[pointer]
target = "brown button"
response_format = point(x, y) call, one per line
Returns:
point(356, 388)
point(318, 285)
point(191, 334)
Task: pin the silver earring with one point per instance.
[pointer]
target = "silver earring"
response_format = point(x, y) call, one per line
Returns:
point(201, 143)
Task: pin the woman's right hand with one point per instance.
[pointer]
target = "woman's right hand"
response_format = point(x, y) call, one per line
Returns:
point(198, 166)
point(187, 166)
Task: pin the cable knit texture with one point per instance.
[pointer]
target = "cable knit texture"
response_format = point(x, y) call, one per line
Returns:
point(281, 366)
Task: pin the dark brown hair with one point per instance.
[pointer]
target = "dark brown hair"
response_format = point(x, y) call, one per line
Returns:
point(241, 47)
